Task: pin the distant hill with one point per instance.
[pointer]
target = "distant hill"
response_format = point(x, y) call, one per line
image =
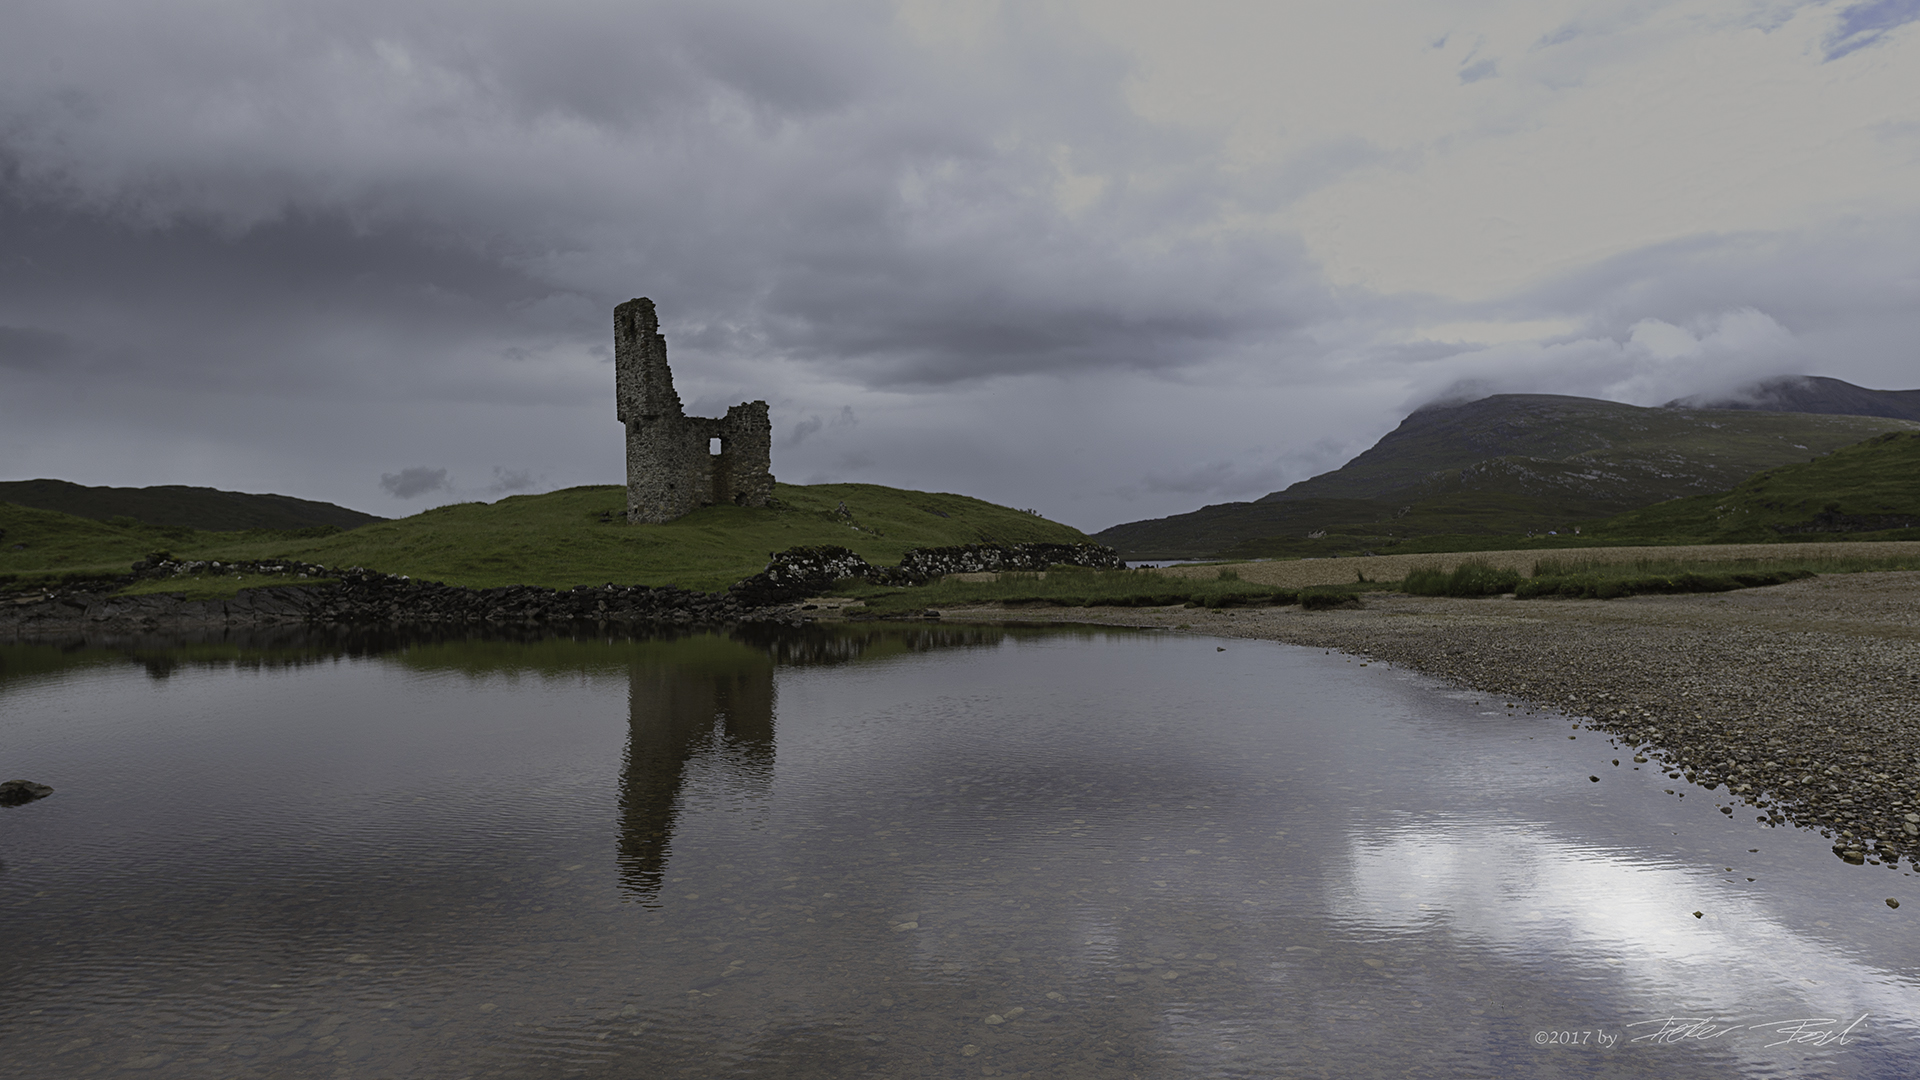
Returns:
point(1505, 464)
point(1810, 394)
point(1871, 487)
point(174, 506)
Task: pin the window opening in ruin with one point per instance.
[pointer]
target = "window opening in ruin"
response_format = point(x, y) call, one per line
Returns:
point(713, 445)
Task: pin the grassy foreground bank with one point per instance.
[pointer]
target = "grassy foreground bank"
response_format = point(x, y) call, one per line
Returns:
point(578, 536)
point(1601, 574)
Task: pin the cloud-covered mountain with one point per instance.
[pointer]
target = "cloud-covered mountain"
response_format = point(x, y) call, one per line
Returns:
point(1809, 394)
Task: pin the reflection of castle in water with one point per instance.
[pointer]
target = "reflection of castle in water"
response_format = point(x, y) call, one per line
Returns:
point(700, 721)
point(709, 715)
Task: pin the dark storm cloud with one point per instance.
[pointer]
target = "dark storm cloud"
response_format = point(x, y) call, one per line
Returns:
point(786, 180)
point(264, 306)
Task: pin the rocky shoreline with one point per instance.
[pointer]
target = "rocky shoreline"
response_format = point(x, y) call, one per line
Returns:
point(358, 597)
point(1799, 703)
point(324, 596)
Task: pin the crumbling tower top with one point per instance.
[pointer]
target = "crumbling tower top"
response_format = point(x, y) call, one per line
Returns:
point(643, 383)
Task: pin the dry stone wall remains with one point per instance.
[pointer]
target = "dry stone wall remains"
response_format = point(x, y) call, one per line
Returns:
point(671, 469)
point(800, 572)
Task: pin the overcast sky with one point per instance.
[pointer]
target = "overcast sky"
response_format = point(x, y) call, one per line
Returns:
point(1106, 260)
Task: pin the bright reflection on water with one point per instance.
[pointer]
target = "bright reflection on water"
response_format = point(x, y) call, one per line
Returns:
point(896, 851)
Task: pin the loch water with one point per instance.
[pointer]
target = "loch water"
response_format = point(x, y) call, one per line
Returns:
point(893, 851)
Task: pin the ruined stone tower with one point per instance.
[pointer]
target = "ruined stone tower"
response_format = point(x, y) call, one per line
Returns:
point(672, 468)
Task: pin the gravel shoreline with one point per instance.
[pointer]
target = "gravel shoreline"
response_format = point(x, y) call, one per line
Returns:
point(1802, 699)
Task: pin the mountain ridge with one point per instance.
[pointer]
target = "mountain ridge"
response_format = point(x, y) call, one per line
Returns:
point(179, 506)
point(1809, 394)
point(1510, 463)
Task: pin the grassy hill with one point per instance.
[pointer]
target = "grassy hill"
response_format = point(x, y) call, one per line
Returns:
point(1872, 488)
point(1502, 466)
point(574, 537)
point(175, 506)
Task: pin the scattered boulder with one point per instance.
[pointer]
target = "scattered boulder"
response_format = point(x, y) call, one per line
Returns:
point(22, 792)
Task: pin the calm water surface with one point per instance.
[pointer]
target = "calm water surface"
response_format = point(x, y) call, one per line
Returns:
point(904, 852)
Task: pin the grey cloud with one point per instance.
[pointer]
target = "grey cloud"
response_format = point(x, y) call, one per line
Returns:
point(787, 181)
point(505, 481)
point(1204, 478)
point(812, 425)
point(1484, 69)
point(1459, 392)
point(27, 348)
point(305, 299)
point(1560, 36)
point(799, 432)
point(1835, 295)
point(414, 481)
point(1222, 478)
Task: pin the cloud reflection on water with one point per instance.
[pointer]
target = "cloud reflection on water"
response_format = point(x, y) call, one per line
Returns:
point(1624, 922)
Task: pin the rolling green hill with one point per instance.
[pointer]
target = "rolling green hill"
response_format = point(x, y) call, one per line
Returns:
point(1503, 465)
point(560, 539)
point(175, 506)
point(1870, 488)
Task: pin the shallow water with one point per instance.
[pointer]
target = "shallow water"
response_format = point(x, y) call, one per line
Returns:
point(905, 852)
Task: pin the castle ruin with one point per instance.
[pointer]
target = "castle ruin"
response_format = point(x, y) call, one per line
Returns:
point(678, 463)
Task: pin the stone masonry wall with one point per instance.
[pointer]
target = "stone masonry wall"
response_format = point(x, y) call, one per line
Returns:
point(671, 470)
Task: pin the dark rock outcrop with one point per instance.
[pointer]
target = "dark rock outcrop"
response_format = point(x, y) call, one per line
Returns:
point(22, 792)
point(358, 597)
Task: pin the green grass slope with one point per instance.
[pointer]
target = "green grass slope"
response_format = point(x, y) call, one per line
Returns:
point(1870, 489)
point(35, 543)
point(1502, 466)
point(175, 506)
point(574, 537)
